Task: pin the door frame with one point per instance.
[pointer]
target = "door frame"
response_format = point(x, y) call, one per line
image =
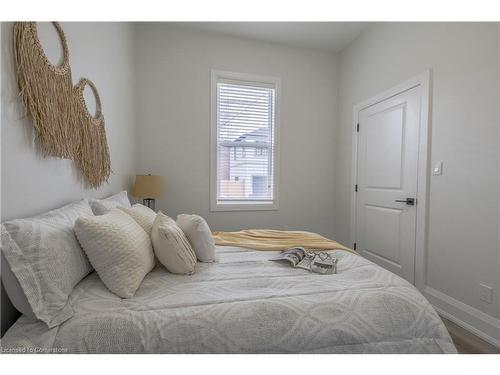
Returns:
point(424, 81)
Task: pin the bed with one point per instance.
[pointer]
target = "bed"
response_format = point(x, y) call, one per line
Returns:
point(244, 303)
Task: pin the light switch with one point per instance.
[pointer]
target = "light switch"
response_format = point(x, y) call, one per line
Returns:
point(437, 170)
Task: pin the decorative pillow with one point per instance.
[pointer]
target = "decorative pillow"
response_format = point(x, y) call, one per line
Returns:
point(47, 261)
point(171, 246)
point(199, 235)
point(144, 216)
point(102, 206)
point(118, 248)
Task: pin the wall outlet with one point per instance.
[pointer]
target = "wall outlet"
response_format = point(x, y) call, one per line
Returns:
point(486, 293)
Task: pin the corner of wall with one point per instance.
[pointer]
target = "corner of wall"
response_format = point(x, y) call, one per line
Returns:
point(135, 92)
point(135, 31)
point(498, 158)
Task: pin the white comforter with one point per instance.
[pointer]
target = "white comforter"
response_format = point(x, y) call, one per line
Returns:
point(244, 303)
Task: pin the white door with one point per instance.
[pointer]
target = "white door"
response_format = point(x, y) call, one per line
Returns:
point(387, 182)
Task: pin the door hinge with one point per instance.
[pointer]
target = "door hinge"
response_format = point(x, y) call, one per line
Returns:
point(354, 246)
point(356, 187)
point(357, 127)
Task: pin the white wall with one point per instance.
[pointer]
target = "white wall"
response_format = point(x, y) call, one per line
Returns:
point(463, 246)
point(31, 184)
point(498, 114)
point(173, 83)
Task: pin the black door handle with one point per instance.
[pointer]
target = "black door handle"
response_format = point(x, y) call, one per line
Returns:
point(408, 201)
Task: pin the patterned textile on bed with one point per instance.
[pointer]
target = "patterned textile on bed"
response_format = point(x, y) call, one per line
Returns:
point(244, 303)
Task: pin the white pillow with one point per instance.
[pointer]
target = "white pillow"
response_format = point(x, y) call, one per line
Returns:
point(171, 246)
point(144, 216)
point(47, 261)
point(102, 206)
point(199, 235)
point(14, 290)
point(118, 248)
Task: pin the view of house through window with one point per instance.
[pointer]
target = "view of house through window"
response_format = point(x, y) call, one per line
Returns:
point(245, 142)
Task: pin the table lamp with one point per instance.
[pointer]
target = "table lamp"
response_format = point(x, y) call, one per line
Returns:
point(148, 187)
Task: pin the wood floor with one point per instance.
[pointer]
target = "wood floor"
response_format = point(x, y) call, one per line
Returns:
point(468, 343)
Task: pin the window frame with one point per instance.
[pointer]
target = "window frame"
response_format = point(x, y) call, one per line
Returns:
point(216, 76)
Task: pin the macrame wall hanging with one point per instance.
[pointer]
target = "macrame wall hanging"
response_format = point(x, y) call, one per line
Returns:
point(93, 154)
point(64, 126)
point(46, 90)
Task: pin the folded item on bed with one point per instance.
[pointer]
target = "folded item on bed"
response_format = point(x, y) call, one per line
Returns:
point(273, 240)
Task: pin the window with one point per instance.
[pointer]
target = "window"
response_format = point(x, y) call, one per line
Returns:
point(244, 161)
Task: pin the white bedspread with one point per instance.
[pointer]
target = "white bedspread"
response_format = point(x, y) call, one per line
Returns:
point(244, 303)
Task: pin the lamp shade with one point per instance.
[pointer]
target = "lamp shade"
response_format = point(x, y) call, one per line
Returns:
point(148, 186)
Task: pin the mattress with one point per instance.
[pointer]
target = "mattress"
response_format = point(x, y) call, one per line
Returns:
point(244, 303)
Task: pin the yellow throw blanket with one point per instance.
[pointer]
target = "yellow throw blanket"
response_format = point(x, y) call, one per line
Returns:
point(269, 239)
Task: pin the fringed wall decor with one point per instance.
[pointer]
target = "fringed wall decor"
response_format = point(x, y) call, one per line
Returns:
point(93, 153)
point(46, 91)
point(64, 126)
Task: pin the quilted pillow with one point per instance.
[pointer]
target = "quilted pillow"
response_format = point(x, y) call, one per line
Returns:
point(47, 261)
point(102, 206)
point(199, 235)
point(118, 248)
point(144, 216)
point(171, 246)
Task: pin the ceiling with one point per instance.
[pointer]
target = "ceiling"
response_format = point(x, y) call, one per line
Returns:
point(331, 36)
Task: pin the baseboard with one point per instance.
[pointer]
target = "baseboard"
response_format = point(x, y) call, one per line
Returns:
point(473, 320)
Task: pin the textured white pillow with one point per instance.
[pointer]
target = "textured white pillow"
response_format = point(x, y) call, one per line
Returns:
point(199, 235)
point(47, 261)
point(144, 216)
point(102, 206)
point(171, 246)
point(118, 248)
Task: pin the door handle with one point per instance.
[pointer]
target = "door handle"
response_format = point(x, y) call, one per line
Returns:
point(408, 201)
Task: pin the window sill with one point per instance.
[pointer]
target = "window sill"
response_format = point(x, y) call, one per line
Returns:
point(218, 207)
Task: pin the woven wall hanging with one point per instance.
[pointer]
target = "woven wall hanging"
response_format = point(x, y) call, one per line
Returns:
point(46, 91)
point(93, 154)
point(64, 126)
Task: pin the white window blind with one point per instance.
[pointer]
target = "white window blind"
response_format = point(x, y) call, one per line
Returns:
point(245, 127)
